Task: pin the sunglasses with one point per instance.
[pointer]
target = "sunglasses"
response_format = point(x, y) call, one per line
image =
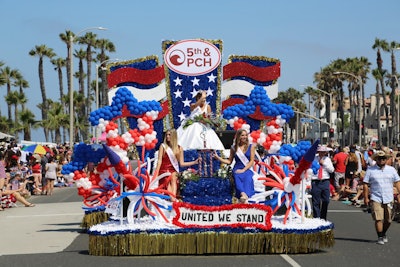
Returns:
point(382, 158)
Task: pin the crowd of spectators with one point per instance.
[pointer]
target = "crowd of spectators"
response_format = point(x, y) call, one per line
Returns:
point(23, 174)
point(351, 163)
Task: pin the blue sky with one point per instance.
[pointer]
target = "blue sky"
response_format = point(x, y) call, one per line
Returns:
point(304, 35)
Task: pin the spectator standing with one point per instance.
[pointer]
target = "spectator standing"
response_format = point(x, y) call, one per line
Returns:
point(378, 193)
point(44, 160)
point(51, 175)
point(351, 166)
point(320, 183)
point(339, 161)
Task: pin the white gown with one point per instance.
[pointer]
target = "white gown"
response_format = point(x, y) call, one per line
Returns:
point(198, 135)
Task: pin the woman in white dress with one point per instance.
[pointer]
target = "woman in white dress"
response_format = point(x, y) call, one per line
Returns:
point(198, 135)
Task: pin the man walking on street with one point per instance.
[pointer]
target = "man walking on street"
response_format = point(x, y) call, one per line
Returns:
point(378, 193)
point(320, 182)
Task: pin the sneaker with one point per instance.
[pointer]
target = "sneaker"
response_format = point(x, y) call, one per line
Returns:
point(380, 241)
point(385, 239)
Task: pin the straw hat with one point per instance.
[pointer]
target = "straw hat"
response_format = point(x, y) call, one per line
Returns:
point(324, 149)
point(380, 153)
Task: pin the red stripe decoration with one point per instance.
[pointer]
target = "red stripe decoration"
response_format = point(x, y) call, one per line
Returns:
point(230, 102)
point(129, 74)
point(244, 69)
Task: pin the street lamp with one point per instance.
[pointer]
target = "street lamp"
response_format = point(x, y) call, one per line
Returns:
point(359, 79)
point(330, 101)
point(97, 78)
point(71, 89)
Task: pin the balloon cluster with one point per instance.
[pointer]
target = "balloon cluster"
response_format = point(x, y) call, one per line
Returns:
point(123, 99)
point(272, 139)
point(295, 152)
point(102, 182)
point(83, 153)
point(238, 123)
point(258, 97)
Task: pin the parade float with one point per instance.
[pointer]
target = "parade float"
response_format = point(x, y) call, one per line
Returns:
point(127, 212)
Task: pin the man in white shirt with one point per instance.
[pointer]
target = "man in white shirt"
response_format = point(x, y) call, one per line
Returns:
point(320, 183)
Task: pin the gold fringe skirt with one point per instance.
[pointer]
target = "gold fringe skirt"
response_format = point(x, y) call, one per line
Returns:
point(209, 243)
point(93, 218)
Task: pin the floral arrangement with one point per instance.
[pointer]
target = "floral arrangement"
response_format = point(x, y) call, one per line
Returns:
point(210, 120)
point(224, 172)
point(189, 174)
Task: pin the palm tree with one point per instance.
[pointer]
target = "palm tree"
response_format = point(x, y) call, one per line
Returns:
point(377, 75)
point(4, 124)
point(81, 55)
point(8, 77)
point(66, 37)
point(22, 84)
point(392, 82)
point(293, 98)
point(27, 122)
point(59, 64)
point(79, 100)
point(12, 99)
point(56, 120)
point(2, 81)
point(329, 83)
point(365, 68)
point(42, 51)
point(91, 41)
point(378, 45)
point(104, 45)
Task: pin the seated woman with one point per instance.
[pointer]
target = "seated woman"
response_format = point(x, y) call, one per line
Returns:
point(17, 188)
point(37, 175)
point(193, 134)
point(243, 153)
point(170, 157)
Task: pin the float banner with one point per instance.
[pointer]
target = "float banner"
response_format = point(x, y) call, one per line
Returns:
point(191, 66)
point(234, 216)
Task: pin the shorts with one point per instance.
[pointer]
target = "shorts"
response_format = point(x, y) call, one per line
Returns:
point(381, 212)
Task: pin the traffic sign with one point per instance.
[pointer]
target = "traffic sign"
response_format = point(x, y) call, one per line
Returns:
point(306, 120)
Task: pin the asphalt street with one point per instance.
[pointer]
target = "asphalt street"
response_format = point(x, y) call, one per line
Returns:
point(49, 235)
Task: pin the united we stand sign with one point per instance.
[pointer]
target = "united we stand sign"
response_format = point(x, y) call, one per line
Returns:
point(232, 216)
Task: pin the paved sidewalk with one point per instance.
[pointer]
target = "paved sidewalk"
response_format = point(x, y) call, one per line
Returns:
point(45, 228)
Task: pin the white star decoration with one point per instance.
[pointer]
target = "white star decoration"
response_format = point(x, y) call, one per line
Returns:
point(178, 94)
point(178, 81)
point(209, 91)
point(194, 92)
point(186, 102)
point(195, 81)
point(211, 78)
point(182, 116)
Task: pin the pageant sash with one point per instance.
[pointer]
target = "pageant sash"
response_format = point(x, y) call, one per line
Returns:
point(242, 157)
point(172, 157)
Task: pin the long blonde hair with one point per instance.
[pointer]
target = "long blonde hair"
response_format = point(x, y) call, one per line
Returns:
point(173, 143)
point(237, 139)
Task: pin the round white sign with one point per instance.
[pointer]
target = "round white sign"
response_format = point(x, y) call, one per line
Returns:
point(192, 57)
